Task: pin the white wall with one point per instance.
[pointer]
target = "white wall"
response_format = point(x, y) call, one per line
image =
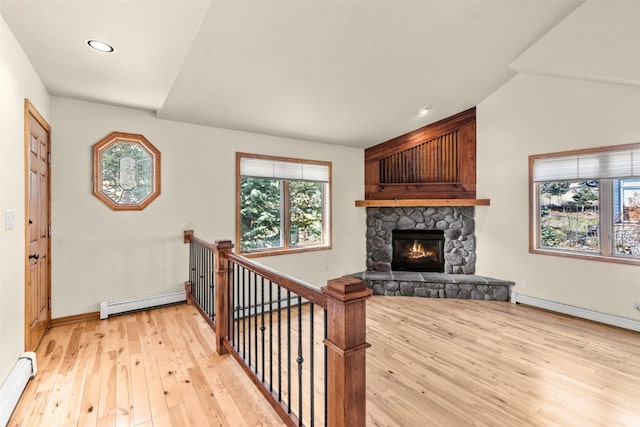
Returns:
point(533, 114)
point(18, 81)
point(100, 254)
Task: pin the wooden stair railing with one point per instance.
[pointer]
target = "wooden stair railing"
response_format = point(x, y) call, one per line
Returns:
point(240, 316)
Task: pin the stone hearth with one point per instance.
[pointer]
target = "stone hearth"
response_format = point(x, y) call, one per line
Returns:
point(436, 285)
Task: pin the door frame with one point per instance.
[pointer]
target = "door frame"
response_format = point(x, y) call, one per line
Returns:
point(30, 110)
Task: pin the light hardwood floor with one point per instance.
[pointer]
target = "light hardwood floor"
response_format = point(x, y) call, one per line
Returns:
point(154, 368)
point(459, 362)
point(433, 362)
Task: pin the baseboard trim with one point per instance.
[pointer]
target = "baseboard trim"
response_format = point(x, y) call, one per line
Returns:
point(76, 318)
point(596, 316)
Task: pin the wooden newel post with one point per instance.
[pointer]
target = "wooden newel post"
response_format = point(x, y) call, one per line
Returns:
point(221, 297)
point(346, 352)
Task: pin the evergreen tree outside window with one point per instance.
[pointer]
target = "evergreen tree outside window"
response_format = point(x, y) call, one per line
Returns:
point(283, 204)
point(586, 204)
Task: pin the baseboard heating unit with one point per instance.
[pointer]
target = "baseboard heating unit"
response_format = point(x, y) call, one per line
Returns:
point(596, 316)
point(13, 386)
point(110, 308)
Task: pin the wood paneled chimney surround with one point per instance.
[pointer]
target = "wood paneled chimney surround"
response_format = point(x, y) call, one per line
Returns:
point(431, 166)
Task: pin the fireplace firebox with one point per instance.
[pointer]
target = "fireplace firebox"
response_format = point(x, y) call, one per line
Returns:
point(418, 250)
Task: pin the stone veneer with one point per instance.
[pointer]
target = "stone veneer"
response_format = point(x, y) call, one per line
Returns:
point(457, 222)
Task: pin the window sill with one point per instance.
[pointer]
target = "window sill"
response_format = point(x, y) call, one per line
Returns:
point(281, 251)
point(588, 257)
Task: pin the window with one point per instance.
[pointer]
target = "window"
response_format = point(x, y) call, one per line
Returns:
point(586, 204)
point(126, 171)
point(283, 204)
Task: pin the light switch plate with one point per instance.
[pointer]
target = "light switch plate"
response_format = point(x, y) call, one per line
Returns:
point(9, 219)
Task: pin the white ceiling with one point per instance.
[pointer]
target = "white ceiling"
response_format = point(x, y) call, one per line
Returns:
point(352, 73)
point(600, 41)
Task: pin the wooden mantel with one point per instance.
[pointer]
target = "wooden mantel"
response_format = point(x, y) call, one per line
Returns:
point(422, 202)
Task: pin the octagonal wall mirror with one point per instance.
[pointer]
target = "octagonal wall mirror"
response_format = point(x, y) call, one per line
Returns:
point(126, 171)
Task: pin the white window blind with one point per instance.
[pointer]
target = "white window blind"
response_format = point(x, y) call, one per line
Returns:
point(597, 165)
point(266, 168)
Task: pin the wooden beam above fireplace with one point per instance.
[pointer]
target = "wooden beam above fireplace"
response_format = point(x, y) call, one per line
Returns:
point(437, 161)
point(422, 202)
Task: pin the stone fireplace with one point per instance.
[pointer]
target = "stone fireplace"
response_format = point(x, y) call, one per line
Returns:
point(435, 164)
point(455, 223)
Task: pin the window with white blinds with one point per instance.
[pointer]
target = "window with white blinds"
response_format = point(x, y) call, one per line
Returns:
point(586, 204)
point(623, 163)
point(271, 168)
point(283, 204)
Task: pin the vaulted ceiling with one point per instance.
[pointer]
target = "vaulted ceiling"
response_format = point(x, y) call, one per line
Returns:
point(344, 72)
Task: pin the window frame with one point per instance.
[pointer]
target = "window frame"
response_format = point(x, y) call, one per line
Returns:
point(327, 231)
point(606, 200)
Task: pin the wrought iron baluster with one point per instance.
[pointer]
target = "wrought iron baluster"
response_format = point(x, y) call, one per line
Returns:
point(270, 336)
point(229, 285)
point(262, 327)
point(279, 347)
point(192, 267)
point(325, 366)
point(201, 277)
point(250, 275)
point(194, 273)
point(288, 351)
point(199, 273)
point(208, 283)
point(312, 408)
point(197, 282)
point(194, 284)
point(299, 361)
point(190, 261)
point(255, 323)
point(243, 307)
point(212, 275)
point(236, 317)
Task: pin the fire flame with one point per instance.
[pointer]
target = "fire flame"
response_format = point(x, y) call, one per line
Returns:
point(417, 251)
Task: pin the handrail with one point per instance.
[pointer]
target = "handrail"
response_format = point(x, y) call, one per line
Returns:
point(189, 237)
point(305, 290)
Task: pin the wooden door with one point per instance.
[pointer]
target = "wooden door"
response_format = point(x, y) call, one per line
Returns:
point(38, 260)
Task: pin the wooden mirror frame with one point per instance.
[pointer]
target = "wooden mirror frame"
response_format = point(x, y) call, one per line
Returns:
point(107, 142)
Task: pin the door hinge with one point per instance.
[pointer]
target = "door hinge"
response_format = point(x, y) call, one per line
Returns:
point(49, 158)
point(49, 303)
point(48, 231)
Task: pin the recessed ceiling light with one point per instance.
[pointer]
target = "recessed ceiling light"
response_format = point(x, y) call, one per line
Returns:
point(424, 110)
point(101, 46)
